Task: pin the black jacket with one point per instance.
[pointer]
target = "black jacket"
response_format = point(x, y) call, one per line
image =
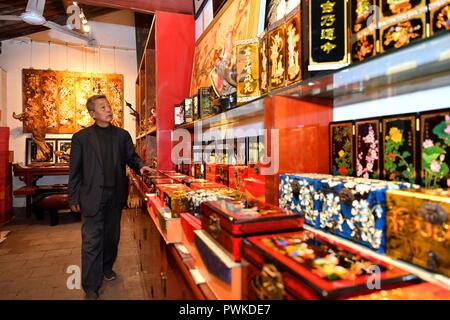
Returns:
point(86, 169)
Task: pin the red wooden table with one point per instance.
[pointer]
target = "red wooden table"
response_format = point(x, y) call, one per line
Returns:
point(30, 176)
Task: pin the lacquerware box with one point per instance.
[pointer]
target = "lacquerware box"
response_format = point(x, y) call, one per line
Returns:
point(418, 227)
point(228, 222)
point(353, 208)
point(303, 265)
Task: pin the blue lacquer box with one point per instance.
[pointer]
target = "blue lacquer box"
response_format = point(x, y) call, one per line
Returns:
point(354, 208)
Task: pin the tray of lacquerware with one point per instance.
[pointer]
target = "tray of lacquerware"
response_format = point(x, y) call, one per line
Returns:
point(303, 265)
point(229, 221)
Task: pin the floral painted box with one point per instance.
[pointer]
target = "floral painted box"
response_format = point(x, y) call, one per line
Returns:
point(353, 208)
point(434, 148)
point(399, 151)
point(367, 148)
point(306, 266)
point(342, 148)
point(418, 227)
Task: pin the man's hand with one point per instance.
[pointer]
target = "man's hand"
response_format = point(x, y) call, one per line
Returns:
point(145, 168)
point(75, 208)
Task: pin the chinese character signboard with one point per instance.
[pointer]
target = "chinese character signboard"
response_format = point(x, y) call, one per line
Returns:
point(327, 34)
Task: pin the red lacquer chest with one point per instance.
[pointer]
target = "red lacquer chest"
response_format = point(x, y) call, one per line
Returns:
point(229, 221)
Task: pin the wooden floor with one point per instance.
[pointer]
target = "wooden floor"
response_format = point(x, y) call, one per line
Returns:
point(35, 257)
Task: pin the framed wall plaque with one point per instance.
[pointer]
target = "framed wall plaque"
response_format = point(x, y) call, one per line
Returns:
point(63, 146)
point(293, 33)
point(277, 56)
point(247, 67)
point(188, 111)
point(363, 29)
point(439, 15)
point(32, 152)
point(263, 64)
point(327, 34)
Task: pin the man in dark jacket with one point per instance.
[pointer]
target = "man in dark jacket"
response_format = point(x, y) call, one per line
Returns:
point(98, 189)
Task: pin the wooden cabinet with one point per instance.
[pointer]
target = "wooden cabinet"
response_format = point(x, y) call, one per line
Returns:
point(162, 277)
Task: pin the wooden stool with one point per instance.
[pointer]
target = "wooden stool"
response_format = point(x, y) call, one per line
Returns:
point(52, 202)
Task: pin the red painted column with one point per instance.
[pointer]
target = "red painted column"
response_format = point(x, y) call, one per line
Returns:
point(175, 42)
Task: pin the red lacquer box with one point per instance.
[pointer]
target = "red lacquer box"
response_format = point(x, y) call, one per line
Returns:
point(199, 170)
point(303, 265)
point(190, 180)
point(179, 177)
point(146, 181)
point(211, 172)
point(229, 221)
point(255, 182)
point(155, 182)
point(237, 174)
point(222, 174)
point(189, 223)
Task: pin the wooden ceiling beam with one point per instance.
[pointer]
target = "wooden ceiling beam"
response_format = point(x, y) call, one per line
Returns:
point(144, 6)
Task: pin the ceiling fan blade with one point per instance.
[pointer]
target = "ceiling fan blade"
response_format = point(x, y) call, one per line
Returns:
point(5, 17)
point(36, 6)
point(58, 27)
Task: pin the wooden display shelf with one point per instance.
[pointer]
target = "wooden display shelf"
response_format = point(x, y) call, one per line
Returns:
point(248, 111)
point(152, 131)
point(421, 65)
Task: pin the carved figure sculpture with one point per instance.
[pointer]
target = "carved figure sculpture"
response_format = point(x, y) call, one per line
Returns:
point(34, 117)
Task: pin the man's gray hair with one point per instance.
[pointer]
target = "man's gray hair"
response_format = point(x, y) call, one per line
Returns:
point(90, 104)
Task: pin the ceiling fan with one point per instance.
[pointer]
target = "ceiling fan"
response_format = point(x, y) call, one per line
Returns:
point(34, 15)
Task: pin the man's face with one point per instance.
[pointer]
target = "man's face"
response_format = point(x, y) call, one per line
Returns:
point(102, 111)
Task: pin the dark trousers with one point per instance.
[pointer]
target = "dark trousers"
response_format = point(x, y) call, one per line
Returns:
point(100, 239)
